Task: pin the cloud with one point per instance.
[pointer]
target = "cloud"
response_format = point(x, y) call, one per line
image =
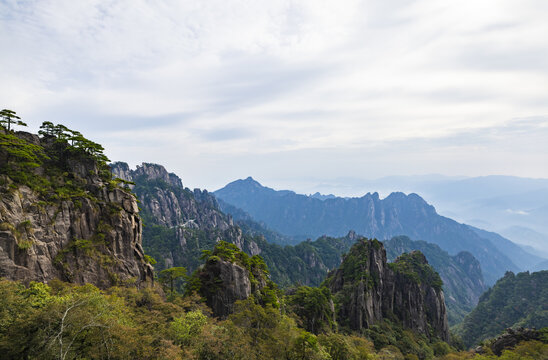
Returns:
point(296, 86)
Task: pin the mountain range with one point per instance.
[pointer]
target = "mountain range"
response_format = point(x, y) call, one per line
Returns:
point(301, 217)
point(514, 207)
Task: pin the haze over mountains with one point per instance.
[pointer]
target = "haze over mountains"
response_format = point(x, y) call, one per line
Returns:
point(302, 217)
point(512, 206)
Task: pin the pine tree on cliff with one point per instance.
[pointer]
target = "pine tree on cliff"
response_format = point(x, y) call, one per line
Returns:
point(8, 117)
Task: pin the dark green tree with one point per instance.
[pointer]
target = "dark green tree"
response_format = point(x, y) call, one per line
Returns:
point(47, 129)
point(8, 117)
point(169, 276)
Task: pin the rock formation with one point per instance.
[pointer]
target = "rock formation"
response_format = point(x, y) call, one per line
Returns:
point(82, 229)
point(509, 339)
point(179, 222)
point(229, 275)
point(368, 289)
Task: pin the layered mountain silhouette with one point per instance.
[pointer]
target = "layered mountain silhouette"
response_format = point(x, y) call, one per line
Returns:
point(302, 217)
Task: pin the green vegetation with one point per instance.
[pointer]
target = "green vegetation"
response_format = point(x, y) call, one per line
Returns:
point(314, 307)
point(515, 300)
point(8, 118)
point(63, 321)
point(55, 154)
point(414, 267)
point(169, 276)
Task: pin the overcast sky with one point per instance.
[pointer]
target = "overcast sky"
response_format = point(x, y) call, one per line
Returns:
point(289, 92)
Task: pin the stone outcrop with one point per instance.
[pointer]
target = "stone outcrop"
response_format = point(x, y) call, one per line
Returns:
point(368, 289)
point(229, 275)
point(226, 283)
point(509, 339)
point(461, 274)
point(94, 237)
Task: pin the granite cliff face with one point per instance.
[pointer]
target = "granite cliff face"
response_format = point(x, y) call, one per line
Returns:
point(180, 222)
point(167, 202)
point(368, 289)
point(76, 226)
point(229, 275)
point(461, 274)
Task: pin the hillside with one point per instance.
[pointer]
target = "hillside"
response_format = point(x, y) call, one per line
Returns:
point(302, 216)
point(515, 300)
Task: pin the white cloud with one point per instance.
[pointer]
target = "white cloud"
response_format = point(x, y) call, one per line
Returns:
point(269, 87)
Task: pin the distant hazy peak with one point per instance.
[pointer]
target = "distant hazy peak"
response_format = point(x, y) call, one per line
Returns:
point(320, 196)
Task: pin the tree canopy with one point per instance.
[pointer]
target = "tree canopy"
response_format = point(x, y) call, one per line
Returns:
point(8, 118)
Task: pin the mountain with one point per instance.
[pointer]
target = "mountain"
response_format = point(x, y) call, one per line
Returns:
point(63, 217)
point(531, 240)
point(252, 227)
point(492, 202)
point(515, 300)
point(461, 274)
point(366, 290)
point(180, 223)
point(301, 216)
point(525, 260)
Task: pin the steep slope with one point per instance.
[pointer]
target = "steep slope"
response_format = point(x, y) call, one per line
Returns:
point(523, 259)
point(179, 222)
point(461, 274)
point(398, 214)
point(515, 300)
point(367, 289)
point(229, 275)
point(252, 227)
point(64, 217)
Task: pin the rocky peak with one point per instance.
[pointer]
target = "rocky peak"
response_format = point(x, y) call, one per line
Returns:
point(121, 170)
point(229, 275)
point(369, 289)
point(155, 171)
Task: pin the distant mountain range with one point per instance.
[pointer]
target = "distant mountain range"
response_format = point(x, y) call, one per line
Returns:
point(514, 207)
point(301, 217)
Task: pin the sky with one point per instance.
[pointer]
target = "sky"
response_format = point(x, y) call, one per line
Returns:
point(293, 93)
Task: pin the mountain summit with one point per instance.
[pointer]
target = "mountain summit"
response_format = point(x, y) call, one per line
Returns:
point(305, 217)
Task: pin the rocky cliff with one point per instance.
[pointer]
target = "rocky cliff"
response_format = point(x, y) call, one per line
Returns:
point(229, 275)
point(65, 218)
point(367, 289)
point(461, 274)
point(180, 222)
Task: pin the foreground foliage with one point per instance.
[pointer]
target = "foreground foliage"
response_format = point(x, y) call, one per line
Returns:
point(62, 321)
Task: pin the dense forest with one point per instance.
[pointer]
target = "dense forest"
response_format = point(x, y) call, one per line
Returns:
point(515, 300)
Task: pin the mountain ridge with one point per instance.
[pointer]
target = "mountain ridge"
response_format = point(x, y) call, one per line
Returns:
point(304, 217)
